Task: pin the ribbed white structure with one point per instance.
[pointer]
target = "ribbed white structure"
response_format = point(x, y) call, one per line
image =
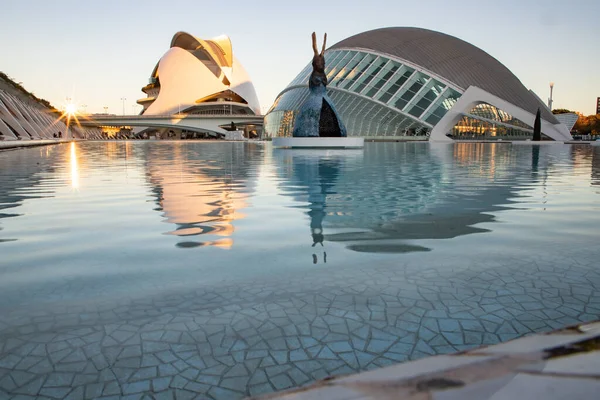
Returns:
point(404, 82)
point(25, 120)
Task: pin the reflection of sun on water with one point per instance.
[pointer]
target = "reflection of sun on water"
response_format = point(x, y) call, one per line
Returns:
point(74, 168)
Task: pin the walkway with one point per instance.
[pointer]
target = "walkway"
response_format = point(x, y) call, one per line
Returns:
point(15, 144)
point(562, 365)
point(196, 123)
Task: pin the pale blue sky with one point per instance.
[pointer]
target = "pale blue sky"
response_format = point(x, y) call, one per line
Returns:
point(99, 51)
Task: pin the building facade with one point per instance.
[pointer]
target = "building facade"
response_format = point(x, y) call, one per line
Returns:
point(420, 84)
point(24, 117)
point(598, 105)
point(568, 119)
point(197, 76)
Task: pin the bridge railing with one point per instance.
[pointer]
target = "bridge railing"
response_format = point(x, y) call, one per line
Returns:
point(111, 117)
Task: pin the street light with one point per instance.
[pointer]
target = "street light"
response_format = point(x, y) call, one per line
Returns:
point(123, 99)
point(133, 107)
point(84, 106)
point(105, 110)
point(69, 109)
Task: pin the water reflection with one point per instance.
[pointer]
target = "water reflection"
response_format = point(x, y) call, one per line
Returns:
point(98, 256)
point(535, 159)
point(393, 195)
point(24, 175)
point(315, 172)
point(74, 167)
point(596, 166)
point(202, 193)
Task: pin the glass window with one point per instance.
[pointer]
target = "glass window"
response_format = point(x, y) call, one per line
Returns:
point(426, 97)
point(412, 88)
point(435, 117)
point(473, 128)
point(330, 59)
point(382, 80)
point(490, 112)
point(340, 76)
point(369, 75)
point(358, 71)
point(339, 63)
point(394, 85)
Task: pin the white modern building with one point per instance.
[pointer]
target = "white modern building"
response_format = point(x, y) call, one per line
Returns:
point(197, 76)
point(416, 83)
point(27, 119)
point(568, 119)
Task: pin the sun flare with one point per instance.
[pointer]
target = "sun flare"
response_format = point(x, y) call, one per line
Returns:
point(70, 109)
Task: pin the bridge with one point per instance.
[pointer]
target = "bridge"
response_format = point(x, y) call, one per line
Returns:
point(196, 123)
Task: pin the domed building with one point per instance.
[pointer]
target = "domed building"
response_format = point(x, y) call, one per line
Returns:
point(411, 82)
point(197, 76)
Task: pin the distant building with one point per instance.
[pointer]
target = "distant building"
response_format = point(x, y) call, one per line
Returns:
point(598, 105)
point(398, 82)
point(25, 117)
point(567, 119)
point(197, 76)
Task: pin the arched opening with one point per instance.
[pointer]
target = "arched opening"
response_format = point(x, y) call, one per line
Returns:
point(328, 122)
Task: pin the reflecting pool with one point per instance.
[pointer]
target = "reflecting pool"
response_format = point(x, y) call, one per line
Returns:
point(233, 269)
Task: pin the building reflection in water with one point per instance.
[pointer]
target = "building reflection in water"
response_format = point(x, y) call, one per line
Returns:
point(596, 166)
point(393, 195)
point(202, 194)
point(315, 172)
point(24, 174)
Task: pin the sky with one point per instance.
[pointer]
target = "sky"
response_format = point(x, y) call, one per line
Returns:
point(98, 52)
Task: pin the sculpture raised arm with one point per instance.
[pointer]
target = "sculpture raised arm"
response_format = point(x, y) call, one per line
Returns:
point(314, 43)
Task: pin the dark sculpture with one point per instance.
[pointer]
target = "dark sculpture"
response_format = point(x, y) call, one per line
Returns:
point(537, 127)
point(318, 116)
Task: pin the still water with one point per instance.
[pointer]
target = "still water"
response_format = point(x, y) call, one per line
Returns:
point(229, 269)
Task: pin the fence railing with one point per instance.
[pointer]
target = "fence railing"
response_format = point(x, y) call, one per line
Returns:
point(100, 117)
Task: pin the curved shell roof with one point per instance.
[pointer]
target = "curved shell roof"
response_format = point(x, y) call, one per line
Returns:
point(219, 47)
point(194, 69)
point(452, 58)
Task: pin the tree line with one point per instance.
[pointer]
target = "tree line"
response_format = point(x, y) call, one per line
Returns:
point(585, 125)
point(23, 91)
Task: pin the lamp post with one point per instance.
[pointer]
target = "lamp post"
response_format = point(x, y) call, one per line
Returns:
point(133, 107)
point(550, 99)
point(123, 100)
point(67, 108)
point(84, 106)
point(105, 109)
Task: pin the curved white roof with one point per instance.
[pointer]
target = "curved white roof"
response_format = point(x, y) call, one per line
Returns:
point(454, 59)
point(194, 69)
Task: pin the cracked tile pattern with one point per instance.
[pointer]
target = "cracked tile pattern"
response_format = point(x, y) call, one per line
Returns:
point(257, 337)
point(87, 316)
point(559, 365)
